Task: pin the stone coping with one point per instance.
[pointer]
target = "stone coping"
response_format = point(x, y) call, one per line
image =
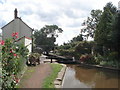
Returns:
point(101, 67)
point(59, 79)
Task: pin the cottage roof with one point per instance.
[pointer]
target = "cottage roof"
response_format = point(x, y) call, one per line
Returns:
point(20, 20)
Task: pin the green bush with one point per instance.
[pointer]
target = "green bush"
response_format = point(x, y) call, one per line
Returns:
point(108, 63)
point(113, 56)
point(99, 58)
point(87, 58)
point(83, 47)
point(67, 53)
point(35, 55)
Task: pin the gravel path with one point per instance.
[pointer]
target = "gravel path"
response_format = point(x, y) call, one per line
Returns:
point(36, 79)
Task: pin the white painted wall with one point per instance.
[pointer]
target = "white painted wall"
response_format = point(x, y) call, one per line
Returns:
point(28, 43)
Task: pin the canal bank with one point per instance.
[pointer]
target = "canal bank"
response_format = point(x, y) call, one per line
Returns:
point(59, 80)
point(82, 77)
point(100, 67)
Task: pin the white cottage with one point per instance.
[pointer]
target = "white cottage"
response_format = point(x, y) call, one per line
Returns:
point(17, 25)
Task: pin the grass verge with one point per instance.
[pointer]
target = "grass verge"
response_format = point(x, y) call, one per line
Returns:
point(49, 81)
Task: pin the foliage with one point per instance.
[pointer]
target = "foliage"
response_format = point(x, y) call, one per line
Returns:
point(68, 49)
point(66, 53)
point(87, 58)
point(13, 60)
point(91, 23)
point(46, 36)
point(78, 38)
point(108, 64)
point(99, 58)
point(105, 27)
point(84, 47)
point(107, 36)
point(35, 55)
point(115, 36)
point(75, 49)
point(113, 56)
point(49, 81)
point(110, 60)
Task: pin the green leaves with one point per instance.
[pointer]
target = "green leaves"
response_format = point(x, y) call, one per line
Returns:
point(91, 23)
point(105, 29)
point(46, 36)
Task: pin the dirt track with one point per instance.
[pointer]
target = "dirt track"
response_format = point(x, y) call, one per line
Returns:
point(36, 79)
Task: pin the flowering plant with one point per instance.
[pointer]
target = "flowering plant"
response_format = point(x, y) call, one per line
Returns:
point(13, 61)
point(2, 42)
point(15, 35)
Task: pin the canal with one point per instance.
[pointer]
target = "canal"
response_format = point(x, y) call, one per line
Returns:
point(83, 77)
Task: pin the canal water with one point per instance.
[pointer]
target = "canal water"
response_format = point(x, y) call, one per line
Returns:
point(83, 77)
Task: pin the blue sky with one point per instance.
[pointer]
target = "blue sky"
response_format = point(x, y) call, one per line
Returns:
point(67, 14)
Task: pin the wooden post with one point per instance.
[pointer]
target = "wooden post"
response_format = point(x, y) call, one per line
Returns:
point(51, 59)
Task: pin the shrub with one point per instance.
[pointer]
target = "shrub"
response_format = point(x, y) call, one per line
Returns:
point(33, 58)
point(99, 58)
point(113, 56)
point(83, 47)
point(87, 58)
point(35, 55)
point(13, 60)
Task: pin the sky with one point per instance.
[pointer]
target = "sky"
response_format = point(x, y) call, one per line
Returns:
point(67, 14)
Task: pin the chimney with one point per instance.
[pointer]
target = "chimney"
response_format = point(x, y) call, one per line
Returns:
point(15, 13)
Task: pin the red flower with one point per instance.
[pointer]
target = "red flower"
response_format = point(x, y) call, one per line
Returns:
point(2, 42)
point(15, 54)
point(15, 34)
point(17, 80)
point(10, 51)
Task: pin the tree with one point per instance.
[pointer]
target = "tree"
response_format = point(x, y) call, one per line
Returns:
point(84, 47)
point(46, 36)
point(78, 38)
point(116, 33)
point(91, 23)
point(105, 29)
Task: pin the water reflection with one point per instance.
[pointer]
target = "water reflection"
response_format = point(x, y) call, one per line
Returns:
point(81, 77)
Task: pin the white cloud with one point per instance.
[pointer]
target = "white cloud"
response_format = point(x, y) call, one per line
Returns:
point(67, 14)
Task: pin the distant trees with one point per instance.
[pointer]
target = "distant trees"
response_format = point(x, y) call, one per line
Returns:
point(78, 38)
point(46, 36)
point(71, 48)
